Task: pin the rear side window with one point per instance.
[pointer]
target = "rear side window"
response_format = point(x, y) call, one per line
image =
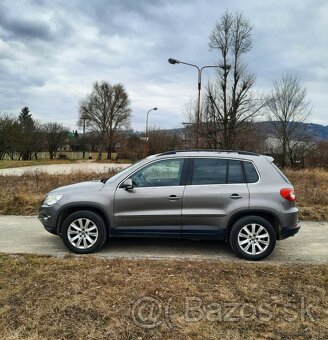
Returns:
point(209, 171)
point(250, 172)
point(217, 171)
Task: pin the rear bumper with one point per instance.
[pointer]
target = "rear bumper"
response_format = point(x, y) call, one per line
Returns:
point(289, 231)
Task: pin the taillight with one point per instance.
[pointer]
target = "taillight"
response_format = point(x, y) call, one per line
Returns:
point(288, 194)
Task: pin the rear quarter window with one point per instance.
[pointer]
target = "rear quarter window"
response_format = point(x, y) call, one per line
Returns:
point(250, 172)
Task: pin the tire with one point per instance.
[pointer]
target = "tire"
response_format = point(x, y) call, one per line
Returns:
point(84, 232)
point(252, 238)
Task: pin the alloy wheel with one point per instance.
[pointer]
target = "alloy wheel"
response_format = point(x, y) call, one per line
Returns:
point(253, 239)
point(82, 233)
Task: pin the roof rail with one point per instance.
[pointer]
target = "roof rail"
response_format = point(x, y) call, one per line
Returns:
point(240, 152)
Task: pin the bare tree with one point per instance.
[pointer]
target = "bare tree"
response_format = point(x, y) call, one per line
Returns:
point(161, 141)
point(37, 139)
point(288, 110)
point(6, 129)
point(230, 103)
point(107, 110)
point(55, 135)
point(319, 155)
point(190, 123)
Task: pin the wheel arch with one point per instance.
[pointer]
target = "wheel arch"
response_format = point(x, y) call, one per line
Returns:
point(269, 215)
point(67, 210)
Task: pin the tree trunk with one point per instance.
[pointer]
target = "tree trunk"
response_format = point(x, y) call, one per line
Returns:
point(109, 151)
point(99, 157)
point(52, 154)
point(101, 147)
point(284, 152)
point(110, 144)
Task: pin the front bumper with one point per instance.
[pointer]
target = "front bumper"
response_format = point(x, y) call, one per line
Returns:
point(47, 217)
point(289, 231)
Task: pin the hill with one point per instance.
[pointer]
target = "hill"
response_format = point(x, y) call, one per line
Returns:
point(315, 131)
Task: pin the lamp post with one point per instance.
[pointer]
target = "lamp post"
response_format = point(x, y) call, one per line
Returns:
point(199, 70)
point(146, 135)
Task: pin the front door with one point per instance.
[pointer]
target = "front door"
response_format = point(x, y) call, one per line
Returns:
point(154, 204)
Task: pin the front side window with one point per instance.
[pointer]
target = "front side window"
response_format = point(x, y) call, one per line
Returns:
point(159, 174)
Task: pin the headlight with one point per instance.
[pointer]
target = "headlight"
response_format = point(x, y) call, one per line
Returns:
point(52, 199)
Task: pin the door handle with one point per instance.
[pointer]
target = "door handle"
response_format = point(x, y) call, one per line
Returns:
point(235, 196)
point(173, 198)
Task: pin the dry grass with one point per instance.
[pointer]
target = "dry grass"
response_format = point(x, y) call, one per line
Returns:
point(21, 195)
point(90, 298)
point(115, 161)
point(6, 164)
point(311, 187)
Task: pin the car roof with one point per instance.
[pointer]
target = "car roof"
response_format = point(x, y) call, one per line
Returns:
point(241, 152)
point(237, 154)
point(207, 153)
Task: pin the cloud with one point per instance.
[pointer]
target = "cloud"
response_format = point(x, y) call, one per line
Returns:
point(52, 51)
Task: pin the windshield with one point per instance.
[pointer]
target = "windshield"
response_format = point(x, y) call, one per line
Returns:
point(123, 172)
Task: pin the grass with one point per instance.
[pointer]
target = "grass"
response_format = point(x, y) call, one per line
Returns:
point(92, 298)
point(21, 195)
point(70, 155)
point(117, 161)
point(311, 187)
point(6, 164)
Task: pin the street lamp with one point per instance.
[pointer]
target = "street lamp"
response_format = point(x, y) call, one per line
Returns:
point(146, 136)
point(225, 67)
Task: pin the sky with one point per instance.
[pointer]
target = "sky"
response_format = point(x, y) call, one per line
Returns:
point(51, 52)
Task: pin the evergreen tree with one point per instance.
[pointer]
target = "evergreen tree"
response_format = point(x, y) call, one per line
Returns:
point(27, 126)
point(25, 118)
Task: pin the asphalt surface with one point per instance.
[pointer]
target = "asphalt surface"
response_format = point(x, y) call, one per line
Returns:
point(63, 168)
point(25, 234)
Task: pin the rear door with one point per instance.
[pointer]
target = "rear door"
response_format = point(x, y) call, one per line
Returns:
point(215, 189)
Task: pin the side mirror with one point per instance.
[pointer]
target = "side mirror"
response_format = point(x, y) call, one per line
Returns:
point(127, 184)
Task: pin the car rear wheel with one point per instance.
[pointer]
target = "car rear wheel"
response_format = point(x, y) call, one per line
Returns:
point(84, 232)
point(252, 238)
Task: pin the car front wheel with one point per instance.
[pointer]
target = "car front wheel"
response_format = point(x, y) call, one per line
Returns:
point(84, 232)
point(252, 238)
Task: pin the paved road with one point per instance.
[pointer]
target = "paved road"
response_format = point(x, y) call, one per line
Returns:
point(63, 168)
point(21, 234)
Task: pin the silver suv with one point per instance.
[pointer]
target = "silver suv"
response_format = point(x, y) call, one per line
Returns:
point(236, 196)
